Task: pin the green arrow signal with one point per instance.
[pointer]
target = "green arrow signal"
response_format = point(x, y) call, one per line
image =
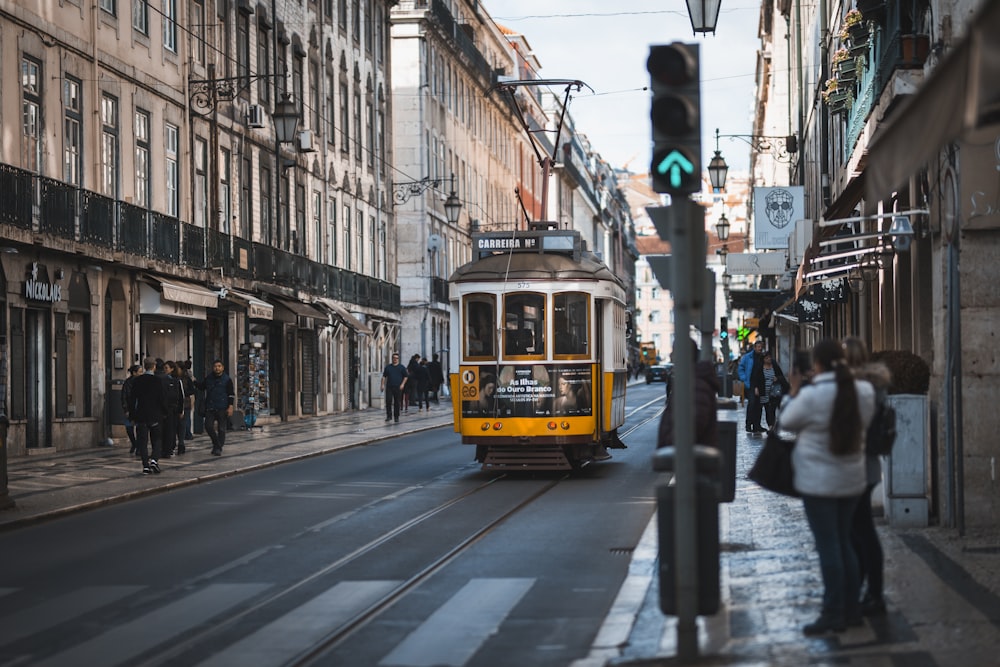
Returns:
point(675, 163)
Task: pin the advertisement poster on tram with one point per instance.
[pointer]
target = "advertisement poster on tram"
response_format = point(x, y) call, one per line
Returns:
point(535, 390)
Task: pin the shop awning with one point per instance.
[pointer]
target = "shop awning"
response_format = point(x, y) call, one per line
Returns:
point(756, 300)
point(300, 308)
point(185, 292)
point(347, 318)
point(257, 309)
point(961, 94)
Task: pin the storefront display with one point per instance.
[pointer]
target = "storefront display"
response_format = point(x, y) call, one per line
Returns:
point(253, 385)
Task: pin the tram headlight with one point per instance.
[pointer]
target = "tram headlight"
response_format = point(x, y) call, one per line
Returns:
point(485, 426)
point(564, 425)
point(552, 426)
point(497, 426)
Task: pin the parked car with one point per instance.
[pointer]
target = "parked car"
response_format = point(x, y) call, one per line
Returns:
point(659, 373)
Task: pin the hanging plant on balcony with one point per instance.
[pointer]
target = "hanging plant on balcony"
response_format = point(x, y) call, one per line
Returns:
point(831, 87)
point(854, 29)
point(836, 96)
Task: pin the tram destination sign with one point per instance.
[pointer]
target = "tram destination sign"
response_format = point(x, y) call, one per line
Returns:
point(526, 241)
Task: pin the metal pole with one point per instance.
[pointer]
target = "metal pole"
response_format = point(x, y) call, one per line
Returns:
point(686, 292)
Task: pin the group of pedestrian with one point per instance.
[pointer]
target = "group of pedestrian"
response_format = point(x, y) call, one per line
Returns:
point(158, 399)
point(764, 383)
point(416, 384)
point(830, 406)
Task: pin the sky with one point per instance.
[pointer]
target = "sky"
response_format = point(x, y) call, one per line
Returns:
point(605, 45)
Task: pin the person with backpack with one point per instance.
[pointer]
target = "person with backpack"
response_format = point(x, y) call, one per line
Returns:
point(864, 537)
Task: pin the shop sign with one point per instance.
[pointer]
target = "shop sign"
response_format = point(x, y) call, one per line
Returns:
point(36, 290)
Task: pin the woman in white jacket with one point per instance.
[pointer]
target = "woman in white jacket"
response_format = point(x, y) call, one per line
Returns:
point(830, 415)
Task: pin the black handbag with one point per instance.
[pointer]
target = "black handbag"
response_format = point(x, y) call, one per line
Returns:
point(773, 468)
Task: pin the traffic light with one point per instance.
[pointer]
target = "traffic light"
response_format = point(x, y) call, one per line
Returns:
point(675, 116)
point(723, 328)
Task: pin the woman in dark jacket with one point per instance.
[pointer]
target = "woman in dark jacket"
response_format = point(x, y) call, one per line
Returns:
point(768, 385)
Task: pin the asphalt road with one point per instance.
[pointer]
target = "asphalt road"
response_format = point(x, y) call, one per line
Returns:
point(399, 553)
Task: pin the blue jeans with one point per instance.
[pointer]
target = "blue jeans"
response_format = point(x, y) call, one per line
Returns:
point(830, 521)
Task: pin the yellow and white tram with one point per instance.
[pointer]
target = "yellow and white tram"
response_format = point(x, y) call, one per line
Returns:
point(537, 370)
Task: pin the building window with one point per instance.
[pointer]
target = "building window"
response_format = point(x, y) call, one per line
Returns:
point(331, 238)
point(359, 250)
point(73, 135)
point(342, 14)
point(171, 137)
point(297, 81)
point(197, 30)
point(263, 65)
point(654, 293)
point(356, 20)
point(142, 158)
point(246, 198)
point(345, 114)
point(372, 240)
point(357, 127)
point(314, 98)
point(200, 182)
point(382, 252)
point(109, 6)
point(370, 128)
point(317, 211)
point(369, 27)
point(348, 264)
point(31, 82)
point(284, 219)
point(109, 145)
point(331, 110)
point(170, 25)
point(140, 16)
point(300, 219)
point(225, 185)
point(265, 204)
point(243, 49)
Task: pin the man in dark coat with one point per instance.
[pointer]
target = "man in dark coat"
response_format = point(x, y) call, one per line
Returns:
point(174, 396)
point(706, 389)
point(220, 396)
point(133, 372)
point(437, 377)
point(394, 379)
point(148, 408)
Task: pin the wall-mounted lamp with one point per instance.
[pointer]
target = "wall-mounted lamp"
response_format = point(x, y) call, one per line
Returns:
point(401, 193)
point(722, 228)
point(782, 148)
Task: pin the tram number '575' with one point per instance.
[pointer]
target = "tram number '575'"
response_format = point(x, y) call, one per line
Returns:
point(470, 385)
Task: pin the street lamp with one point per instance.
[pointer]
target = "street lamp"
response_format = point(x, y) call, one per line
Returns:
point(286, 119)
point(704, 15)
point(782, 148)
point(723, 252)
point(726, 280)
point(722, 228)
point(401, 192)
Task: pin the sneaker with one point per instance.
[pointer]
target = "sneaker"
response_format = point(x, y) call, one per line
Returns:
point(824, 625)
point(216, 451)
point(181, 450)
point(872, 606)
point(154, 466)
point(147, 471)
point(388, 419)
point(397, 420)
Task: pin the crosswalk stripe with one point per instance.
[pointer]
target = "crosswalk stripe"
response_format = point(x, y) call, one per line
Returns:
point(468, 619)
point(141, 634)
point(279, 641)
point(51, 613)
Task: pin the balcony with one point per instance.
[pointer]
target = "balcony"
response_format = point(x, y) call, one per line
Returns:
point(108, 228)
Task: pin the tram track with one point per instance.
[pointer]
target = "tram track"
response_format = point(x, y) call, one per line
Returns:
point(195, 642)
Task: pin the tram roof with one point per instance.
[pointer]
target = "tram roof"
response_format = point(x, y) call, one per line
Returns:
point(534, 266)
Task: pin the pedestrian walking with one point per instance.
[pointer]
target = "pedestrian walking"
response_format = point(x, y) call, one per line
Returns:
point(768, 385)
point(394, 379)
point(174, 398)
point(187, 381)
point(147, 409)
point(437, 377)
point(176, 373)
point(413, 373)
point(864, 537)
point(220, 396)
point(424, 383)
point(830, 415)
point(134, 371)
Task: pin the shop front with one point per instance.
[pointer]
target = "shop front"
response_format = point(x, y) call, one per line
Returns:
point(173, 314)
point(293, 357)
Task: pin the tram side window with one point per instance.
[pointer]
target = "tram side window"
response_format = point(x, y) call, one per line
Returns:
point(480, 314)
point(571, 323)
point(524, 324)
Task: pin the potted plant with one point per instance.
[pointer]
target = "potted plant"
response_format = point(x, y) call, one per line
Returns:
point(854, 28)
point(846, 65)
point(910, 373)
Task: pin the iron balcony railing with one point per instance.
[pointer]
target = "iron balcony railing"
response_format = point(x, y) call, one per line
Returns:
point(64, 211)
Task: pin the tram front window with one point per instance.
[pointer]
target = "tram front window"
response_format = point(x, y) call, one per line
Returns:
point(480, 311)
point(570, 323)
point(524, 324)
